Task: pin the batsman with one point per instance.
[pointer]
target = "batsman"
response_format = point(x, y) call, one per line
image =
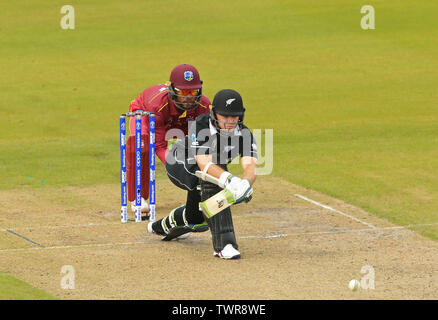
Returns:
point(198, 164)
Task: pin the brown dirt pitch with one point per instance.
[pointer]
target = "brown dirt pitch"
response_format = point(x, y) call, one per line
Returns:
point(291, 248)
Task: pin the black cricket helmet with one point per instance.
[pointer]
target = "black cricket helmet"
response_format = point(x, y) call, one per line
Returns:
point(227, 102)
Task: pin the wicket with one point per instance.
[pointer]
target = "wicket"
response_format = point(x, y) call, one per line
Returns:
point(123, 179)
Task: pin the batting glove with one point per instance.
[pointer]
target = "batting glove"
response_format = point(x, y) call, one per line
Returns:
point(241, 189)
point(247, 193)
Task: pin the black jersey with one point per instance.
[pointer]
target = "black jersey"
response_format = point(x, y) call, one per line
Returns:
point(203, 138)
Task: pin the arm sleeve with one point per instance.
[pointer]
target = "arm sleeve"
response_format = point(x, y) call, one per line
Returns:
point(248, 145)
point(137, 104)
point(160, 132)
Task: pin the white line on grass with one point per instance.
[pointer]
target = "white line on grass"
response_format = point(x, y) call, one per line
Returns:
point(260, 236)
point(65, 226)
point(282, 235)
point(335, 210)
point(266, 236)
point(78, 246)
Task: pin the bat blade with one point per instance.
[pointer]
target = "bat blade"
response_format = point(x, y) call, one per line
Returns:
point(217, 203)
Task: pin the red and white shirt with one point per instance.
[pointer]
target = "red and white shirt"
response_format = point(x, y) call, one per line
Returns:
point(156, 99)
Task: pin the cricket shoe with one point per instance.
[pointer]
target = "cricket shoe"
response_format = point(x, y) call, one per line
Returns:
point(177, 232)
point(144, 206)
point(228, 252)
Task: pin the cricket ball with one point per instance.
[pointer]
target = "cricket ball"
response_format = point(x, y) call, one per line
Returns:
point(354, 285)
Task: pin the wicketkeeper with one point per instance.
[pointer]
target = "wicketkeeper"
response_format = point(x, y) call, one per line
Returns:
point(174, 103)
point(213, 141)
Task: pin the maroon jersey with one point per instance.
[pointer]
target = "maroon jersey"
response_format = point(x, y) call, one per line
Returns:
point(156, 99)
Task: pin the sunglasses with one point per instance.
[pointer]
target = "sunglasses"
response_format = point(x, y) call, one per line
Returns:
point(186, 92)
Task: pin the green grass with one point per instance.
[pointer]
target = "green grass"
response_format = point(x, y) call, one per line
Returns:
point(15, 289)
point(354, 112)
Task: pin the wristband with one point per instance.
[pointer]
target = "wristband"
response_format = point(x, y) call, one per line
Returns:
point(206, 167)
point(204, 172)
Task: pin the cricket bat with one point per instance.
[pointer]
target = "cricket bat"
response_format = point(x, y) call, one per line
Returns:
point(217, 203)
point(220, 201)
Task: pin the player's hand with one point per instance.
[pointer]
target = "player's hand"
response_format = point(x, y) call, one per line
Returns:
point(247, 195)
point(232, 182)
point(240, 188)
point(233, 185)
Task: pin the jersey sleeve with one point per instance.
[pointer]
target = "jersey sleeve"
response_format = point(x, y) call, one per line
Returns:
point(137, 103)
point(248, 145)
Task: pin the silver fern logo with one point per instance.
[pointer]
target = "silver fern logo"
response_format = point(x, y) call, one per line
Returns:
point(229, 101)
